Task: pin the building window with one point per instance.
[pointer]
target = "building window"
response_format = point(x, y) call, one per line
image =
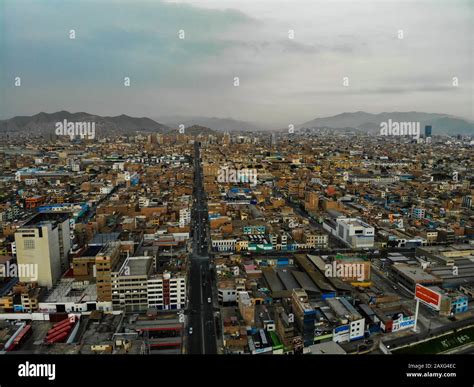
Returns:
point(29, 244)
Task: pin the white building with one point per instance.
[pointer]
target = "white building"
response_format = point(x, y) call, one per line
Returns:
point(352, 324)
point(355, 232)
point(31, 181)
point(106, 190)
point(167, 291)
point(224, 244)
point(43, 243)
point(184, 217)
point(227, 294)
point(143, 202)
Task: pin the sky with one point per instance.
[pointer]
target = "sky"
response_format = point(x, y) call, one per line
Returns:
point(295, 60)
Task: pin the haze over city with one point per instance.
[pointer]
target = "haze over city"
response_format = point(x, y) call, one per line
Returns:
point(195, 179)
point(291, 58)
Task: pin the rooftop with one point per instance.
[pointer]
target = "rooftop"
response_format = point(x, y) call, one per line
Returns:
point(43, 218)
point(415, 273)
point(69, 290)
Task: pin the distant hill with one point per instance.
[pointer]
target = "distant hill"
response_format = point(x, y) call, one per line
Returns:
point(214, 123)
point(196, 130)
point(370, 123)
point(44, 123)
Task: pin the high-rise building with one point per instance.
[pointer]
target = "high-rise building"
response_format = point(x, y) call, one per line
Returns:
point(467, 201)
point(304, 315)
point(167, 291)
point(105, 261)
point(355, 232)
point(428, 130)
point(273, 139)
point(43, 241)
point(129, 283)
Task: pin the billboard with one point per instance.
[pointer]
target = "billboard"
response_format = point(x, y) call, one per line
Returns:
point(403, 322)
point(428, 296)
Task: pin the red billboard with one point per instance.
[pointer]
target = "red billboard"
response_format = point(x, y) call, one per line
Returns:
point(428, 296)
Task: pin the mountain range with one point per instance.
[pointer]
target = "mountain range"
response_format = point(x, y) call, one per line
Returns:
point(370, 123)
point(44, 123)
point(215, 123)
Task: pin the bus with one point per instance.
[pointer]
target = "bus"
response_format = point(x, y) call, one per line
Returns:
point(20, 339)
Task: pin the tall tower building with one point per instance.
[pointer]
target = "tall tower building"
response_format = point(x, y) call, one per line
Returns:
point(428, 131)
point(42, 246)
point(105, 262)
point(226, 139)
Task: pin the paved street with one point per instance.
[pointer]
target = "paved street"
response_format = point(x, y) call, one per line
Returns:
point(202, 340)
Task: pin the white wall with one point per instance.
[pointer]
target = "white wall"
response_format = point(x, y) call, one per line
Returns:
point(25, 316)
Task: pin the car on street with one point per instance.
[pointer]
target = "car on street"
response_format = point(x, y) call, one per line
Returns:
point(209, 300)
point(190, 330)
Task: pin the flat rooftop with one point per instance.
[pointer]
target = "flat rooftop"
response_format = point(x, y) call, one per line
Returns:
point(91, 251)
point(135, 266)
point(353, 222)
point(398, 258)
point(451, 248)
point(327, 348)
point(337, 307)
point(103, 238)
point(415, 273)
point(42, 218)
point(69, 290)
point(343, 308)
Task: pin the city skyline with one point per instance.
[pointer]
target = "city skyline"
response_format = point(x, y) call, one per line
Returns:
point(184, 180)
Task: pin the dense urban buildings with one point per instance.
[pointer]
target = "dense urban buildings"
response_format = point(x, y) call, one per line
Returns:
point(306, 243)
point(205, 179)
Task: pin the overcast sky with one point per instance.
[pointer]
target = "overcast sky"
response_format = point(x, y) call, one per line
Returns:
point(282, 80)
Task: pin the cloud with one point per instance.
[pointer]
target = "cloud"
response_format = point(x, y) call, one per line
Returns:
point(281, 79)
